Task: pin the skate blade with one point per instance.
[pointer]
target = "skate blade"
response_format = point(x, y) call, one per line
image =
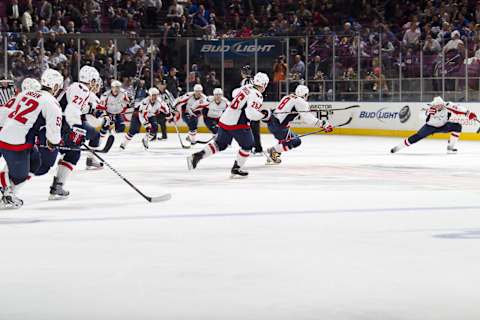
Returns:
point(95, 168)
point(55, 197)
point(5, 206)
point(164, 197)
point(452, 152)
point(189, 163)
point(237, 177)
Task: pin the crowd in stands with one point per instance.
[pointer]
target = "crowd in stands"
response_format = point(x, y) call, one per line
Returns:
point(387, 37)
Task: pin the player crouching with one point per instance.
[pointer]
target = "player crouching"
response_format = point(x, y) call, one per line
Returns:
point(146, 115)
point(234, 124)
point(290, 108)
point(32, 110)
point(438, 116)
point(216, 105)
point(191, 105)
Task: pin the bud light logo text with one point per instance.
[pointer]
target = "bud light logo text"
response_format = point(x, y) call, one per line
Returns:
point(381, 115)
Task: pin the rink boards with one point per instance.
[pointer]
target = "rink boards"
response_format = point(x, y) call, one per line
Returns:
point(394, 119)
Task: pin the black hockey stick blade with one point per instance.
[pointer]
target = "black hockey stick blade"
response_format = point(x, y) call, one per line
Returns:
point(478, 130)
point(108, 144)
point(205, 142)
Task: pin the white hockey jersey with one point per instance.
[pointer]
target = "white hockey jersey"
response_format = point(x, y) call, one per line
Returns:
point(5, 110)
point(285, 111)
point(188, 103)
point(31, 111)
point(441, 117)
point(147, 109)
point(215, 110)
point(75, 102)
point(115, 104)
point(244, 108)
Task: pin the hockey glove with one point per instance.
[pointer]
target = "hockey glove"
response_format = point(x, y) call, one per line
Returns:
point(267, 114)
point(471, 115)
point(76, 136)
point(431, 111)
point(327, 126)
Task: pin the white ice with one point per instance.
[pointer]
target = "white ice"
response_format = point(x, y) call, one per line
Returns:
point(340, 230)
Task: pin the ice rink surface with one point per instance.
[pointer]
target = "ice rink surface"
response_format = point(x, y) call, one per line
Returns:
point(340, 230)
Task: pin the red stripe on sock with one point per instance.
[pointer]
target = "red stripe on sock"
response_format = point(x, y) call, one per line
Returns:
point(243, 154)
point(212, 148)
point(66, 164)
point(3, 180)
point(406, 142)
point(285, 148)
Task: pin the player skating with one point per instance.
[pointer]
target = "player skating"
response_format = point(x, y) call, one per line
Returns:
point(116, 102)
point(290, 108)
point(148, 109)
point(235, 124)
point(212, 113)
point(76, 104)
point(32, 110)
point(438, 114)
point(191, 105)
point(169, 99)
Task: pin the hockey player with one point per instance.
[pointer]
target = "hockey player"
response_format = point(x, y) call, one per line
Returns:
point(116, 102)
point(191, 105)
point(290, 108)
point(31, 111)
point(216, 105)
point(146, 116)
point(75, 103)
point(28, 84)
point(246, 73)
point(95, 108)
point(438, 116)
point(235, 124)
point(168, 98)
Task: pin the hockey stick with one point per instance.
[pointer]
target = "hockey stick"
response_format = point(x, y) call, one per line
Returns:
point(336, 109)
point(205, 142)
point(106, 148)
point(180, 137)
point(165, 197)
point(322, 130)
point(478, 130)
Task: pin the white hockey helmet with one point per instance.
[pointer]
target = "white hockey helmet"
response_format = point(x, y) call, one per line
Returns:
point(438, 101)
point(52, 79)
point(30, 84)
point(198, 88)
point(218, 92)
point(153, 91)
point(302, 91)
point(235, 92)
point(88, 74)
point(261, 79)
point(116, 83)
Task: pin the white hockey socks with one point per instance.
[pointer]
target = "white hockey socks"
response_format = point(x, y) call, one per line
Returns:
point(280, 148)
point(242, 157)
point(63, 171)
point(454, 136)
point(210, 149)
point(192, 136)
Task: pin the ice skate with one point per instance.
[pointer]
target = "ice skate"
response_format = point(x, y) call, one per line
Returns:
point(237, 173)
point(273, 157)
point(194, 159)
point(57, 192)
point(10, 200)
point(93, 164)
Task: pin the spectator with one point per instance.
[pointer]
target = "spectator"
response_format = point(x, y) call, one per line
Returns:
point(315, 67)
point(42, 27)
point(175, 10)
point(45, 11)
point(58, 28)
point(411, 37)
point(152, 9)
point(211, 82)
point(27, 22)
point(431, 46)
point(280, 69)
point(172, 82)
point(454, 42)
point(13, 12)
point(298, 68)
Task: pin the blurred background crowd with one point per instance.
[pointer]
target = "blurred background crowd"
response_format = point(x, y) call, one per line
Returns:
point(343, 49)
